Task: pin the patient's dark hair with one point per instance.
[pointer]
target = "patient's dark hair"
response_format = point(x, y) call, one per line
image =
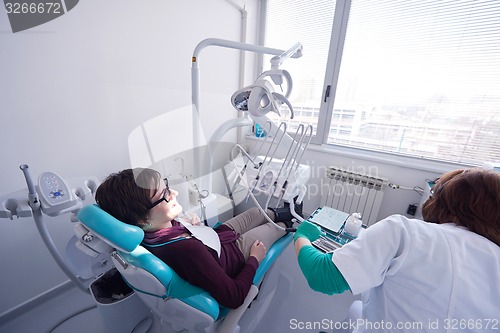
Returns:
point(127, 194)
point(468, 198)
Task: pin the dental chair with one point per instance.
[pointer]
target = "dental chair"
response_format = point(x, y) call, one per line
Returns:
point(182, 306)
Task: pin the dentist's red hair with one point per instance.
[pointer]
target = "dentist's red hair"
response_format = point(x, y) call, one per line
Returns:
point(468, 198)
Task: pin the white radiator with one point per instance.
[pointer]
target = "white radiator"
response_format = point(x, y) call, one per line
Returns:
point(353, 192)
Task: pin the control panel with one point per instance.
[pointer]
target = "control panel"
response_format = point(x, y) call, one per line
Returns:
point(55, 195)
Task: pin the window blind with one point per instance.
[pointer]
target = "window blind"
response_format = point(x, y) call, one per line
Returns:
point(417, 78)
point(310, 23)
point(423, 79)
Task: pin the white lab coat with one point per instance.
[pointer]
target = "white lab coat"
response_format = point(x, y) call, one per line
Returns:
point(415, 276)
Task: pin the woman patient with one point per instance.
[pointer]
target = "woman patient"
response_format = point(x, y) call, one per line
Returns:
point(142, 198)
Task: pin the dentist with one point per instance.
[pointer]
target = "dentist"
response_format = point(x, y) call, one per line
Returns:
point(440, 274)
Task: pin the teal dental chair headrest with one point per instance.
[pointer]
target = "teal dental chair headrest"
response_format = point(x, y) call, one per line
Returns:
point(122, 236)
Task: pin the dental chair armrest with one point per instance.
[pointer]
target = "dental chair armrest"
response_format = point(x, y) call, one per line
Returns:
point(230, 322)
point(271, 256)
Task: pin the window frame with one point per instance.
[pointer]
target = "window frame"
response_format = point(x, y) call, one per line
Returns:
point(339, 29)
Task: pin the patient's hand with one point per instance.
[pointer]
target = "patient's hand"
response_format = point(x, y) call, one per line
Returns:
point(193, 218)
point(258, 250)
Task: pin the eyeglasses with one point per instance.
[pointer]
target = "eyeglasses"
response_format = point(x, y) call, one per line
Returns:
point(438, 185)
point(165, 195)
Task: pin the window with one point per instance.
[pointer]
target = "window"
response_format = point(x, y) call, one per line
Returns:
point(414, 78)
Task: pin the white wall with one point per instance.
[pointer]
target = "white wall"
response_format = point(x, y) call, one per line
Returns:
point(73, 89)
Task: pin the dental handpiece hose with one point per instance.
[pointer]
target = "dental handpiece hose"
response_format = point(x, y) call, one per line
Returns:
point(32, 195)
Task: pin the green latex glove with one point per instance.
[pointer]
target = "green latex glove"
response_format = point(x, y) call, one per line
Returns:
point(320, 272)
point(307, 230)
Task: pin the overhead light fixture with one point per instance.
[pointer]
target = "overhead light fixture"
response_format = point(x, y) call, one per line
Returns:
point(260, 97)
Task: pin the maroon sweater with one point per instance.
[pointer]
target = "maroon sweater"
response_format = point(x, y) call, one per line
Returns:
point(227, 279)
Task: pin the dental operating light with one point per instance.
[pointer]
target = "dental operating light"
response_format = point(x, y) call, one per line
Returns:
point(260, 98)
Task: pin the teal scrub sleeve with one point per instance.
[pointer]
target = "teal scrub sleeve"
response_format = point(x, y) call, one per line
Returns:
point(307, 230)
point(320, 272)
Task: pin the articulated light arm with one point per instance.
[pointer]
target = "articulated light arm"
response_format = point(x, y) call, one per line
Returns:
point(281, 55)
point(294, 52)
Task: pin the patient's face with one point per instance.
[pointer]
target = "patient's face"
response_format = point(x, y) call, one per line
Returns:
point(165, 211)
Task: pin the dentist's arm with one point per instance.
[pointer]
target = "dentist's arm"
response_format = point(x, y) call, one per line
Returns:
point(320, 272)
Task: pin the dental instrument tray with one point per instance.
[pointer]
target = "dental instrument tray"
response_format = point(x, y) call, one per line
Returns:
point(329, 242)
point(331, 222)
